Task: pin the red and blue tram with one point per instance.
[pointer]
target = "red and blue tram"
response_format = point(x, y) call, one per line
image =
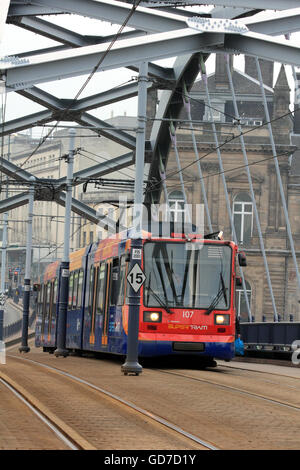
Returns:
point(187, 302)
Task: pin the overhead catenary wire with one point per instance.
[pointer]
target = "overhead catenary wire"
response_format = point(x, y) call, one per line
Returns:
point(278, 174)
point(228, 141)
point(258, 225)
point(134, 7)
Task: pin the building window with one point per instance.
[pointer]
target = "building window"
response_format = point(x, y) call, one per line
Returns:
point(240, 301)
point(215, 112)
point(243, 218)
point(176, 203)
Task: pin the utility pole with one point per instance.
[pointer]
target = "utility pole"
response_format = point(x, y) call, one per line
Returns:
point(65, 264)
point(3, 271)
point(132, 366)
point(26, 298)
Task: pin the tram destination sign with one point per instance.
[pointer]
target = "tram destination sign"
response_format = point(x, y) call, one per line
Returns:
point(136, 277)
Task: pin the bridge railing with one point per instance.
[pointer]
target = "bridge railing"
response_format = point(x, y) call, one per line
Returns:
point(14, 328)
point(273, 336)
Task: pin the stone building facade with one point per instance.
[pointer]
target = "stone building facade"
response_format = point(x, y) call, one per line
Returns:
point(265, 184)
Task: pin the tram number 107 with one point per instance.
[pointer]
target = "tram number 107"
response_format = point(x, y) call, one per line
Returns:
point(187, 314)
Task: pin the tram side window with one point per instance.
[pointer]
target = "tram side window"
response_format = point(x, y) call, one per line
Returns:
point(75, 282)
point(115, 282)
point(71, 279)
point(91, 288)
point(44, 301)
point(80, 283)
point(122, 282)
point(48, 292)
point(40, 301)
point(101, 289)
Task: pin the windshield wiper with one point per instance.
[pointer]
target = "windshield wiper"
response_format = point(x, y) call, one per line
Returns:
point(224, 289)
point(162, 304)
point(215, 301)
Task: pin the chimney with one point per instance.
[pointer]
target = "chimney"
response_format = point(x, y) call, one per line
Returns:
point(221, 78)
point(266, 67)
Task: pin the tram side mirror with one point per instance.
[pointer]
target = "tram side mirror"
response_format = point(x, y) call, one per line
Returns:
point(242, 259)
point(238, 282)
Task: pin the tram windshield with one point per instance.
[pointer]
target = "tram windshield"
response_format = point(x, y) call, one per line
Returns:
point(188, 275)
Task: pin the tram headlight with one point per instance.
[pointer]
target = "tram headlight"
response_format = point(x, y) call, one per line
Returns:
point(222, 319)
point(153, 317)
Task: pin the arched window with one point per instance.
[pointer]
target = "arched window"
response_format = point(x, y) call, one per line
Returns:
point(243, 218)
point(240, 301)
point(176, 203)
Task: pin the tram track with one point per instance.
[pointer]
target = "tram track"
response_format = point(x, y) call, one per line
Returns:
point(60, 429)
point(211, 409)
point(73, 436)
point(233, 389)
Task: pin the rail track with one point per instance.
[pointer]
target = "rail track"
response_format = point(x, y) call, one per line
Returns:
point(56, 429)
point(71, 436)
point(236, 389)
point(183, 408)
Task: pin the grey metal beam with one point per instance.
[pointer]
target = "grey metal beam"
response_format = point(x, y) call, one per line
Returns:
point(43, 98)
point(100, 170)
point(17, 125)
point(117, 12)
point(107, 130)
point(283, 23)
point(13, 171)
point(50, 30)
point(261, 45)
point(26, 9)
point(106, 98)
point(3, 15)
point(88, 213)
point(230, 12)
point(80, 61)
point(186, 69)
point(78, 207)
point(266, 5)
point(156, 71)
point(101, 99)
point(13, 202)
point(59, 106)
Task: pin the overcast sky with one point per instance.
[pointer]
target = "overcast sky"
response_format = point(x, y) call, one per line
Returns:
point(16, 40)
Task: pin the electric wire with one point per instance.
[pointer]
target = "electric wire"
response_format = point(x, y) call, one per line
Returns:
point(229, 140)
point(134, 7)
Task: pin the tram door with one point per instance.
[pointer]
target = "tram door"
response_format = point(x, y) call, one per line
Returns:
point(93, 301)
point(43, 307)
point(108, 277)
point(50, 308)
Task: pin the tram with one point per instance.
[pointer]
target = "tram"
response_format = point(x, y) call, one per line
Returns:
point(187, 302)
